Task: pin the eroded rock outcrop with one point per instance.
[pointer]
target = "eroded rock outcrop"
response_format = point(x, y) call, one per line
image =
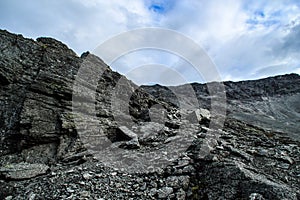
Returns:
point(35, 97)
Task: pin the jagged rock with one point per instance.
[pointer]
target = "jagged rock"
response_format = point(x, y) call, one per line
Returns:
point(37, 92)
point(23, 171)
point(256, 196)
point(200, 115)
point(128, 133)
point(164, 192)
point(133, 142)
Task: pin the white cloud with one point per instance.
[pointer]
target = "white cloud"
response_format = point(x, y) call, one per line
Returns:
point(245, 39)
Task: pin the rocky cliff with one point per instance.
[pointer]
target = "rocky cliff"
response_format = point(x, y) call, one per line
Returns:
point(49, 146)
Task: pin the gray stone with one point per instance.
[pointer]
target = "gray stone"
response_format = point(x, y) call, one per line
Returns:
point(164, 192)
point(149, 130)
point(256, 196)
point(181, 195)
point(23, 170)
point(153, 191)
point(9, 198)
point(87, 176)
point(127, 132)
point(200, 115)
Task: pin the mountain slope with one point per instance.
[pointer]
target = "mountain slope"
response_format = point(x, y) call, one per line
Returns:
point(271, 103)
point(65, 138)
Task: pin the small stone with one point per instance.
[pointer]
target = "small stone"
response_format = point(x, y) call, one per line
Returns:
point(82, 183)
point(143, 187)
point(85, 194)
point(262, 152)
point(164, 192)
point(180, 195)
point(113, 173)
point(215, 158)
point(153, 192)
point(183, 163)
point(184, 181)
point(220, 147)
point(8, 198)
point(132, 144)
point(32, 196)
point(87, 176)
point(173, 181)
point(153, 184)
point(284, 166)
point(70, 171)
point(172, 124)
point(288, 159)
point(118, 185)
point(70, 190)
point(188, 169)
point(256, 196)
point(201, 135)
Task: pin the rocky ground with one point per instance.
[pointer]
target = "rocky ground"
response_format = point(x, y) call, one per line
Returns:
point(49, 151)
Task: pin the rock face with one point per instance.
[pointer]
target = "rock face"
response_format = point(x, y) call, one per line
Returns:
point(44, 154)
point(36, 91)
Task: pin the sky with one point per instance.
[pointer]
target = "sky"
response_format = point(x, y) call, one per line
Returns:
point(245, 39)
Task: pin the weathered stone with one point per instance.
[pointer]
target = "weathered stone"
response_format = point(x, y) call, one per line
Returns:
point(200, 115)
point(180, 195)
point(256, 196)
point(164, 192)
point(23, 171)
point(128, 133)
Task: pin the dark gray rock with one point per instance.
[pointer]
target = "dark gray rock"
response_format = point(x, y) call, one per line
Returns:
point(35, 93)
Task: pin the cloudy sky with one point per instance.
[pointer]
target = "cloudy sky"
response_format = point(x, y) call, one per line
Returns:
point(245, 39)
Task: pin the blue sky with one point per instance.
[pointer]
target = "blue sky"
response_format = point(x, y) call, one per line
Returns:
point(245, 39)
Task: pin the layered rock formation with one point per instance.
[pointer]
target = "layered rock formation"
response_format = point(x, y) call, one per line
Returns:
point(48, 149)
point(36, 93)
